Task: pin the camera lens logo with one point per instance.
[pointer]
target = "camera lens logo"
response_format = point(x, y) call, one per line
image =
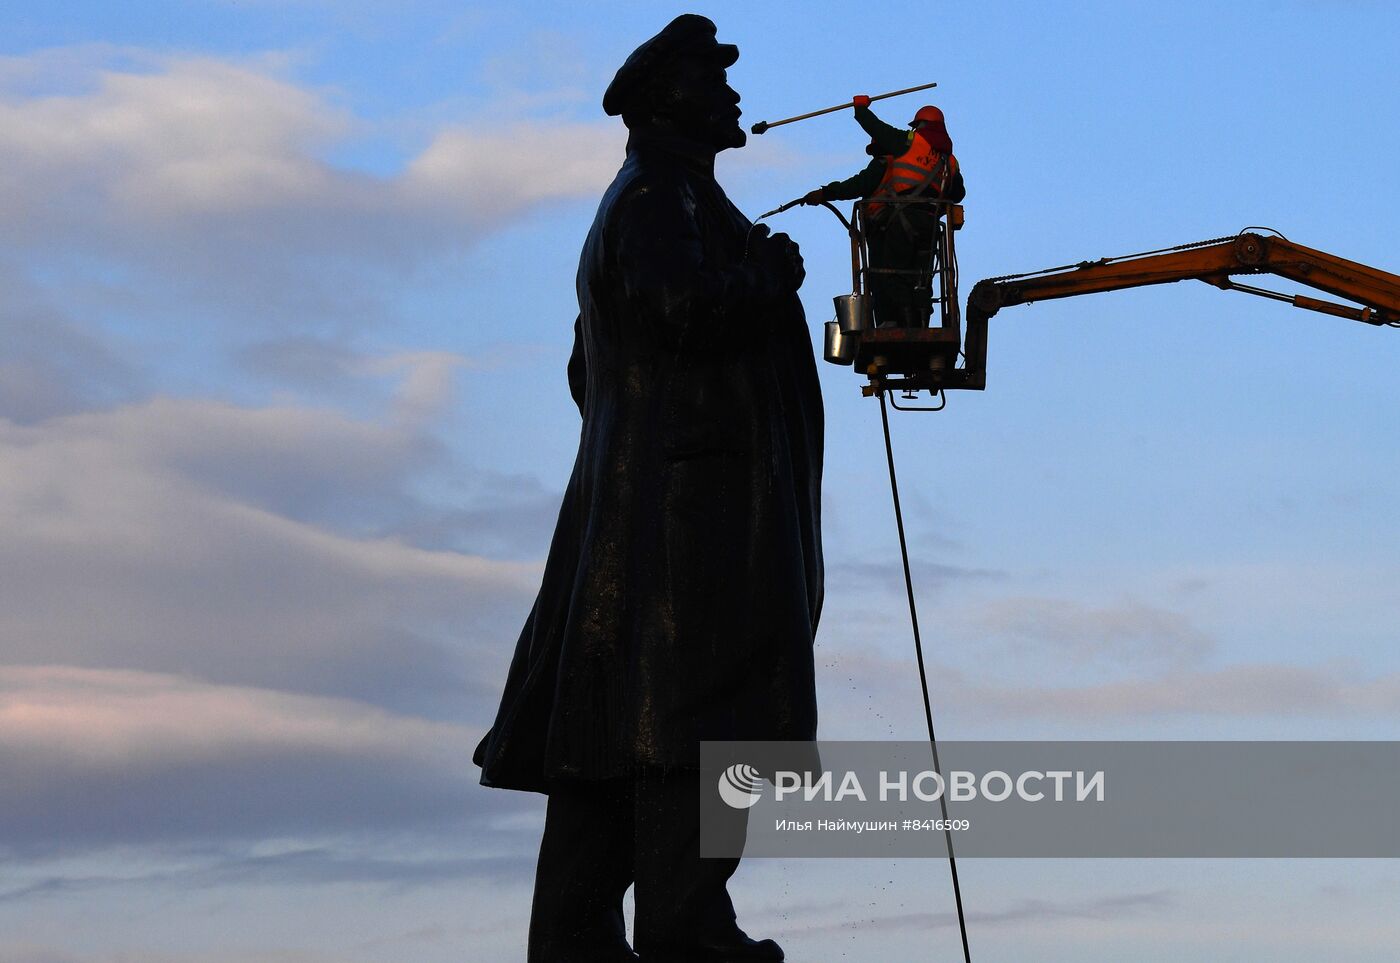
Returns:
point(740, 786)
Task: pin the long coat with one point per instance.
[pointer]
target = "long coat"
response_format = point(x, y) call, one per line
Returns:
point(684, 581)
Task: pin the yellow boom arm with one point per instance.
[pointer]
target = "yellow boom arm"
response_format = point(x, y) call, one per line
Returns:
point(1377, 292)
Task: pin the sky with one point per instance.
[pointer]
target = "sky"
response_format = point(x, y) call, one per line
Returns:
point(286, 295)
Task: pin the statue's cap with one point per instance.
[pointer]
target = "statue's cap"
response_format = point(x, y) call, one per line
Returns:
point(689, 35)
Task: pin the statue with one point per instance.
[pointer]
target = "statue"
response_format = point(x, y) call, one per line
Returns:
point(684, 581)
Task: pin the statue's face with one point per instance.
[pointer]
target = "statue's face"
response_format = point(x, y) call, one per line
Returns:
point(704, 106)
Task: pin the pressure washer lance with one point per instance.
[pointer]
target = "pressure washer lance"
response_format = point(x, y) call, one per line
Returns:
point(764, 125)
point(778, 210)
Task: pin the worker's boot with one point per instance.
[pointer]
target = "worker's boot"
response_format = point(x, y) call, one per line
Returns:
point(907, 315)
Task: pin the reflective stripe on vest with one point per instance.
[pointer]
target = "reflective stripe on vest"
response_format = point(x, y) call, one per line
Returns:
point(918, 168)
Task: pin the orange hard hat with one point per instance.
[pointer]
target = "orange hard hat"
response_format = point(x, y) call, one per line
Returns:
point(927, 114)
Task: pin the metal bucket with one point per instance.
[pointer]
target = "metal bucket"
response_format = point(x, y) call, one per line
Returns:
point(852, 312)
point(840, 348)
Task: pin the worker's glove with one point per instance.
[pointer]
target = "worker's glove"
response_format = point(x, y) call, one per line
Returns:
point(812, 198)
point(860, 100)
point(779, 258)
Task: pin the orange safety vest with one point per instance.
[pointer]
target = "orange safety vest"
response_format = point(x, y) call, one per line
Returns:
point(919, 168)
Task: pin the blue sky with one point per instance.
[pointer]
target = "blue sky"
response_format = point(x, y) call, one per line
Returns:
point(285, 299)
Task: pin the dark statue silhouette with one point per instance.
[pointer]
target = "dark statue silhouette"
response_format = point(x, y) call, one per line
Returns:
point(684, 581)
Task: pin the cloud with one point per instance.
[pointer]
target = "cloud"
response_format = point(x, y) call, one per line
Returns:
point(107, 756)
point(487, 177)
point(928, 576)
point(21, 954)
point(209, 182)
point(1022, 911)
point(229, 543)
point(1241, 691)
point(318, 866)
point(423, 382)
point(34, 954)
point(501, 515)
point(50, 365)
point(224, 623)
point(864, 687)
point(178, 140)
point(1130, 632)
point(323, 364)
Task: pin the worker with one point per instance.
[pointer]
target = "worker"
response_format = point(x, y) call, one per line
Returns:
point(899, 237)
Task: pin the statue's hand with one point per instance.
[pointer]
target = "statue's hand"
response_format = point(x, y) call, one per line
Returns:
point(784, 261)
point(777, 257)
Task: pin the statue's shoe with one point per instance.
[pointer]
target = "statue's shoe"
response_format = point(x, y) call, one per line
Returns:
point(610, 952)
point(732, 948)
point(621, 954)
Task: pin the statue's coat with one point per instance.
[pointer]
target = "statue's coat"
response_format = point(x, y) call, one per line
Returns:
point(684, 581)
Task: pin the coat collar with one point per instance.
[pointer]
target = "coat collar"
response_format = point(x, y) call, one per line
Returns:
point(686, 151)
